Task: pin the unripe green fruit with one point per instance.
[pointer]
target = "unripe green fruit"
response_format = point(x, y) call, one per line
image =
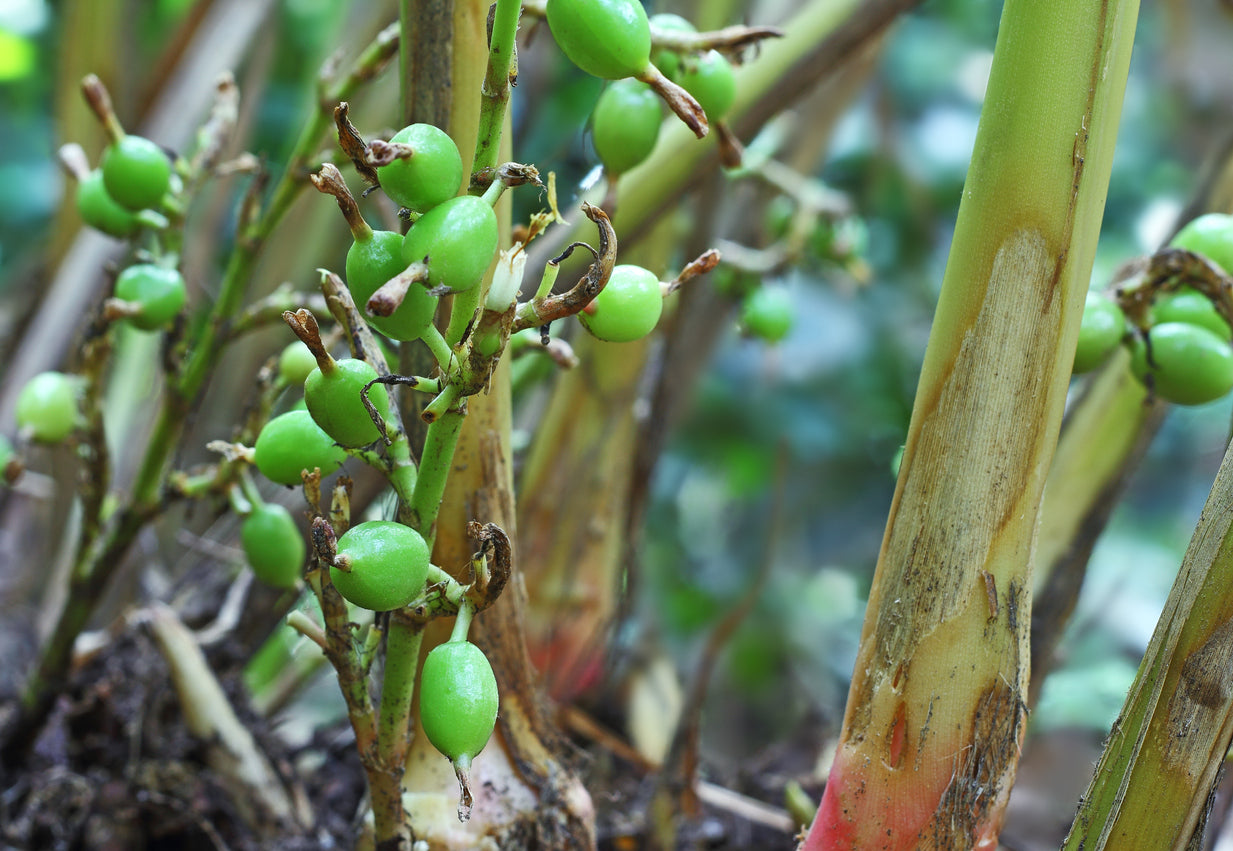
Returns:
point(627, 308)
point(291, 443)
point(388, 565)
point(295, 362)
point(47, 406)
point(433, 175)
point(1100, 331)
point(458, 238)
point(1210, 235)
point(333, 399)
point(710, 79)
point(160, 292)
point(778, 216)
point(1190, 305)
point(669, 61)
point(372, 262)
point(100, 211)
point(1192, 365)
point(273, 545)
point(605, 38)
point(136, 172)
point(625, 125)
point(458, 700)
point(768, 313)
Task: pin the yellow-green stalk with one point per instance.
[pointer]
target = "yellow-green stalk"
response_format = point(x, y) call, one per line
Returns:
point(1153, 781)
point(936, 711)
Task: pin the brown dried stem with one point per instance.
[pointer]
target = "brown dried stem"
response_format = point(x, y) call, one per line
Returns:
point(536, 314)
point(329, 181)
point(353, 144)
point(679, 101)
point(390, 295)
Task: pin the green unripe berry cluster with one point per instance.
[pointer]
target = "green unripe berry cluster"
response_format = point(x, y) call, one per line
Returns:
point(457, 239)
point(768, 313)
point(293, 442)
point(136, 172)
point(627, 308)
point(606, 38)
point(273, 545)
point(334, 401)
point(1186, 357)
point(47, 407)
point(431, 176)
point(381, 565)
point(158, 292)
point(458, 700)
point(625, 125)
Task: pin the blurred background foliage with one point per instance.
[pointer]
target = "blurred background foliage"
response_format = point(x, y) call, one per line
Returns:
point(834, 397)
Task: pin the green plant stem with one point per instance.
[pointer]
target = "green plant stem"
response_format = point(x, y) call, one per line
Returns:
point(1152, 785)
point(435, 465)
point(462, 311)
point(402, 473)
point(494, 98)
point(936, 709)
point(402, 657)
point(462, 622)
point(439, 347)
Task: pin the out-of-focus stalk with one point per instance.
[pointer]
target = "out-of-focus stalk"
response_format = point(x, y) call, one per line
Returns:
point(1152, 785)
point(936, 711)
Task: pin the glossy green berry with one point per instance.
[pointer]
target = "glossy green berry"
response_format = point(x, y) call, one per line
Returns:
point(1190, 364)
point(457, 238)
point(387, 565)
point(433, 175)
point(1100, 331)
point(458, 700)
point(768, 312)
point(669, 61)
point(625, 125)
point(291, 443)
point(273, 545)
point(605, 38)
point(295, 362)
point(100, 211)
point(627, 308)
point(373, 261)
point(710, 79)
point(47, 407)
point(334, 401)
point(159, 292)
point(1210, 235)
point(1190, 305)
point(136, 172)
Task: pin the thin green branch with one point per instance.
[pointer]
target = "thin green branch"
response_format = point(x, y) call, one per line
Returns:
point(502, 68)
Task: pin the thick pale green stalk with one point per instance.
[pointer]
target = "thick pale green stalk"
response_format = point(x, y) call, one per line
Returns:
point(936, 711)
point(1105, 434)
point(1166, 749)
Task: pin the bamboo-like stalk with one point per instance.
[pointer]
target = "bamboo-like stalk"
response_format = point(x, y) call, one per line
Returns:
point(1105, 435)
point(1168, 746)
point(936, 711)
